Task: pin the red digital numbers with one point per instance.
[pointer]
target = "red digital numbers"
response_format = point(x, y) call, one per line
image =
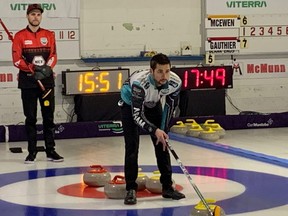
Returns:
point(221, 76)
point(186, 78)
point(211, 77)
point(206, 77)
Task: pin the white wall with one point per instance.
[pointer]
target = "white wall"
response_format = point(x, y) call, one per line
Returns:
point(259, 95)
point(263, 92)
point(256, 92)
point(113, 28)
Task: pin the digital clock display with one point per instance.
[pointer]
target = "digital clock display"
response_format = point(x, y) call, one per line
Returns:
point(210, 77)
point(92, 82)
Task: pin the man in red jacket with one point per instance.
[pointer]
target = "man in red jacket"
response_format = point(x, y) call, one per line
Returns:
point(34, 53)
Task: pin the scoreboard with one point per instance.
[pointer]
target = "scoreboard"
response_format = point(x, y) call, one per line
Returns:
point(246, 27)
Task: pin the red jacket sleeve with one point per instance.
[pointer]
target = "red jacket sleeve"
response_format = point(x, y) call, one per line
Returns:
point(17, 57)
point(52, 60)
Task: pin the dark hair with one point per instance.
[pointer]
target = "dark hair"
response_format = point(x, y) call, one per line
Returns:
point(159, 58)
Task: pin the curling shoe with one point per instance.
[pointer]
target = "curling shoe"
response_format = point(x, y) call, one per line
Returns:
point(54, 156)
point(172, 193)
point(130, 198)
point(30, 159)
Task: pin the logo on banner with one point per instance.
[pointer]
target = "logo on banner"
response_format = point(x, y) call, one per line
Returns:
point(22, 6)
point(114, 127)
point(263, 124)
point(246, 4)
point(58, 130)
point(266, 68)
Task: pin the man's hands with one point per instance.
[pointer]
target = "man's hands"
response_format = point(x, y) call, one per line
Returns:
point(161, 138)
point(42, 72)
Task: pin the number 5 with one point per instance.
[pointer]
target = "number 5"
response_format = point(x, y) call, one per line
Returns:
point(210, 58)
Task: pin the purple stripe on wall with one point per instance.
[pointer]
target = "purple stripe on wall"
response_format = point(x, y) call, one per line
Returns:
point(114, 128)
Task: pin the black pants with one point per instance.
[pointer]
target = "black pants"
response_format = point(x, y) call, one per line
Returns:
point(131, 137)
point(30, 99)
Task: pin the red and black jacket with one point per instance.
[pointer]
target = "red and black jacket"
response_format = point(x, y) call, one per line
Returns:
point(31, 48)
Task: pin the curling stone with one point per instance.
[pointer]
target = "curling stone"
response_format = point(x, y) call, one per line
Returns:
point(215, 126)
point(194, 131)
point(190, 123)
point(141, 180)
point(209, 135)
point(179, 128)
point(154, 185)
point(116, 188)
point(201, 210)
point(97, 176)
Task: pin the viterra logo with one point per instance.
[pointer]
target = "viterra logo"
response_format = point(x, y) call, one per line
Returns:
point(246, 4)
point(24, 6)
point(115, 127)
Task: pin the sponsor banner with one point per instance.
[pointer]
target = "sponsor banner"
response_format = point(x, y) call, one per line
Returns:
point(114, 128)
point(260, 68)
point(63, 131)
point(15, 133)
point(244, 121)
point(246, 7)
point(52, 8)
point(265, 68)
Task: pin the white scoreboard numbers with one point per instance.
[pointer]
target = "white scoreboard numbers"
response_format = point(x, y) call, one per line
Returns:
point(246, 27)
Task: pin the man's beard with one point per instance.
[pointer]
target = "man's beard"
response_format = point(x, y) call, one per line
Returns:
point(34, 25)
point(159, 84)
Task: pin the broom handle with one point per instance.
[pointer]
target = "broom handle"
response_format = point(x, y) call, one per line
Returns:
point(189, 178)
point(11, 39)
